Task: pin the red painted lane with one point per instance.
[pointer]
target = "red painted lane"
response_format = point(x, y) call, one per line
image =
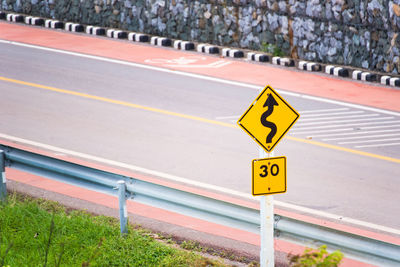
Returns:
point(283, 78)
point(202, 192)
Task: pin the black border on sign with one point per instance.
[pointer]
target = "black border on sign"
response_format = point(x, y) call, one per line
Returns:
point(251, 106)
point(252, 176)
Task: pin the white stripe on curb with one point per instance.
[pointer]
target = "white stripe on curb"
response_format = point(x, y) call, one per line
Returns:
point(160, 41)
point(235, 53)
point(257, 57)
point(138, 37)
point(287, 62)
point(183, 45)
point(337, 71)
point(363, 76)
point(309, 66)
point(55, 24)
point(94, 30)
point(209, 49)
point(116, 34)
point(73, 27)
point(392, 81)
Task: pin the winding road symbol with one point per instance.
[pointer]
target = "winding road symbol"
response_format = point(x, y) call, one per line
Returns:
point(268, 119)
point(270, 103)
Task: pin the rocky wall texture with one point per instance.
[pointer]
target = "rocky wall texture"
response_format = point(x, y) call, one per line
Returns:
point(358, 33)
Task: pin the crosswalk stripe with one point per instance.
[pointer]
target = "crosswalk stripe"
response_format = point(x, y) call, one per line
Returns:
point(325, 122)
point(369, 141)
point(378, 145)
point(335, 113)
point(340, 117)
point(359, 132)
point(360, 137)
point(322, 110)
point(299, 129)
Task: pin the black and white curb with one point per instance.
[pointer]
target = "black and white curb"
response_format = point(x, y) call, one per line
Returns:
point(116, 34)
point(387, 80)
point(94, 30)
point(309, 66)
point(257, 57)
point(73, 27)
point(209, 49)
point(183, 45)
point(160, 41)
point(34, 21)
point(15, 18)
point(227, 52)
point(54, 24)
point(283, 61)
point(138, 37)
point(203, 48)
point(363, 76)
point(337, 71)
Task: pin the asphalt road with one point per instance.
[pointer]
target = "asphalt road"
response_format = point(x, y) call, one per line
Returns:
point(319, 177)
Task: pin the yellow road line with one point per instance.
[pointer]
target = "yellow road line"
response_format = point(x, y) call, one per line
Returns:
point(190, 117)
point(118, 102)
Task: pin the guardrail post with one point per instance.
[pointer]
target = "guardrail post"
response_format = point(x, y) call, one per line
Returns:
point(3, 187)
point(123, 212)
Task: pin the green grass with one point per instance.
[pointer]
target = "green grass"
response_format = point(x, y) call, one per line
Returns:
point(31, 228)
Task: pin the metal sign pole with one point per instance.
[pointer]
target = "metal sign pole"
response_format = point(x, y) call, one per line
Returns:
point(267, 255)
point(268, 111)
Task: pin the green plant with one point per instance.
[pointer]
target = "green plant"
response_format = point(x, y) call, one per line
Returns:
point(5, 253)
point(272, 49)
point(35, 232)
point(191, 245)
point(316, 258)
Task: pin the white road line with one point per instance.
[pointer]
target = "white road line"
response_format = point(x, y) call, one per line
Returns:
point(206, 66)
point(208, 78)
point(219, 189)
point(296, 128)
point(369, 141)
point(357, 132)
point(340, 117)
point(340, 122)
point(227, 117)
point(137, 65)
point(360, 137)
point(330, 114)
point(322, 110)
point(380, 127)
point(379, 145)
point(322, 131)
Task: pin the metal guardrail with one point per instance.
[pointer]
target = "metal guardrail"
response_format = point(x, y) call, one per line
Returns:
point(363, 248)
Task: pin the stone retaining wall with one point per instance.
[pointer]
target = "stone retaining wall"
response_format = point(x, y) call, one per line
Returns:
point(358, 33)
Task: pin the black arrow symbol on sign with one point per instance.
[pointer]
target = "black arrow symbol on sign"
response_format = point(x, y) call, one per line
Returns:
point(270, 103)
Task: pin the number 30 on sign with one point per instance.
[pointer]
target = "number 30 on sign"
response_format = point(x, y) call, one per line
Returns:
point(269, 176)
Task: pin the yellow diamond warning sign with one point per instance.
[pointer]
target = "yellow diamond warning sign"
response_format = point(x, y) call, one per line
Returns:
point(269, 176)
point(268, 119)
